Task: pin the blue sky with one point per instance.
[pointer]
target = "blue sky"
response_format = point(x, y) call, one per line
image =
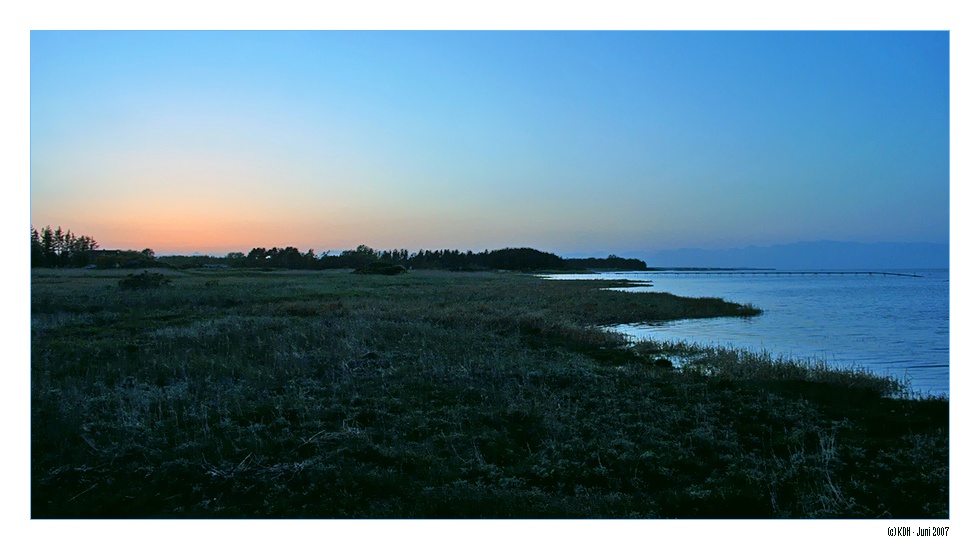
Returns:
point(572, 142)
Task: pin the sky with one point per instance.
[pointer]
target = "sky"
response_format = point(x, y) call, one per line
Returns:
point(574, 142)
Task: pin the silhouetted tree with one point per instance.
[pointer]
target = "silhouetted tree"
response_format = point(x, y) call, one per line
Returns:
point(612, 262)
point(235, 259)
point(60, 248)
point(359, 257)
point(523, 259)
point(256, 257)
point(37, 250)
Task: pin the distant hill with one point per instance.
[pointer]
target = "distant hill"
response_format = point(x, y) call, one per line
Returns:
point(809, 255)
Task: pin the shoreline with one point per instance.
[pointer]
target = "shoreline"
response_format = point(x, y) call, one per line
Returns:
point(843, 322)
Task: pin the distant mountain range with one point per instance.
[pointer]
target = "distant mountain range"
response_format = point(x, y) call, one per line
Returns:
point(808, 255)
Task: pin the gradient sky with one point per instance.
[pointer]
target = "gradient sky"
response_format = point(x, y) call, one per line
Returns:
point(571, 142)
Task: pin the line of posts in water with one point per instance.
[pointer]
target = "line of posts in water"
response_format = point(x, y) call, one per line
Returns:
point(767, 272)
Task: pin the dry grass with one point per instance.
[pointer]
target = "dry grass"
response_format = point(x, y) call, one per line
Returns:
point(325, 394)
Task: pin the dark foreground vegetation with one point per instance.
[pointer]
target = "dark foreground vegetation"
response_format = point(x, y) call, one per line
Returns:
point(267, 394)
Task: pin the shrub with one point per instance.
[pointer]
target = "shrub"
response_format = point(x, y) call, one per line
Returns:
point(380, 268)
point(143, 281)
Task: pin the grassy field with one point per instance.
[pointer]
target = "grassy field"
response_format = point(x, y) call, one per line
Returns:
point(273, 394)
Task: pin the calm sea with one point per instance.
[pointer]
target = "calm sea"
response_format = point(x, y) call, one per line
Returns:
point(897, 326)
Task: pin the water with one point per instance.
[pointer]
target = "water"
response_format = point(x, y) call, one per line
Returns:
point(897, 326)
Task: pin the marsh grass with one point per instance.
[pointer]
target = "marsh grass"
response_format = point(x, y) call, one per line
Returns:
point(256, 394)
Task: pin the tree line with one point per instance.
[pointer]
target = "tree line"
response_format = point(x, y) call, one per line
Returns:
point(513, 259)
point(62, 248)
point(58, 248)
